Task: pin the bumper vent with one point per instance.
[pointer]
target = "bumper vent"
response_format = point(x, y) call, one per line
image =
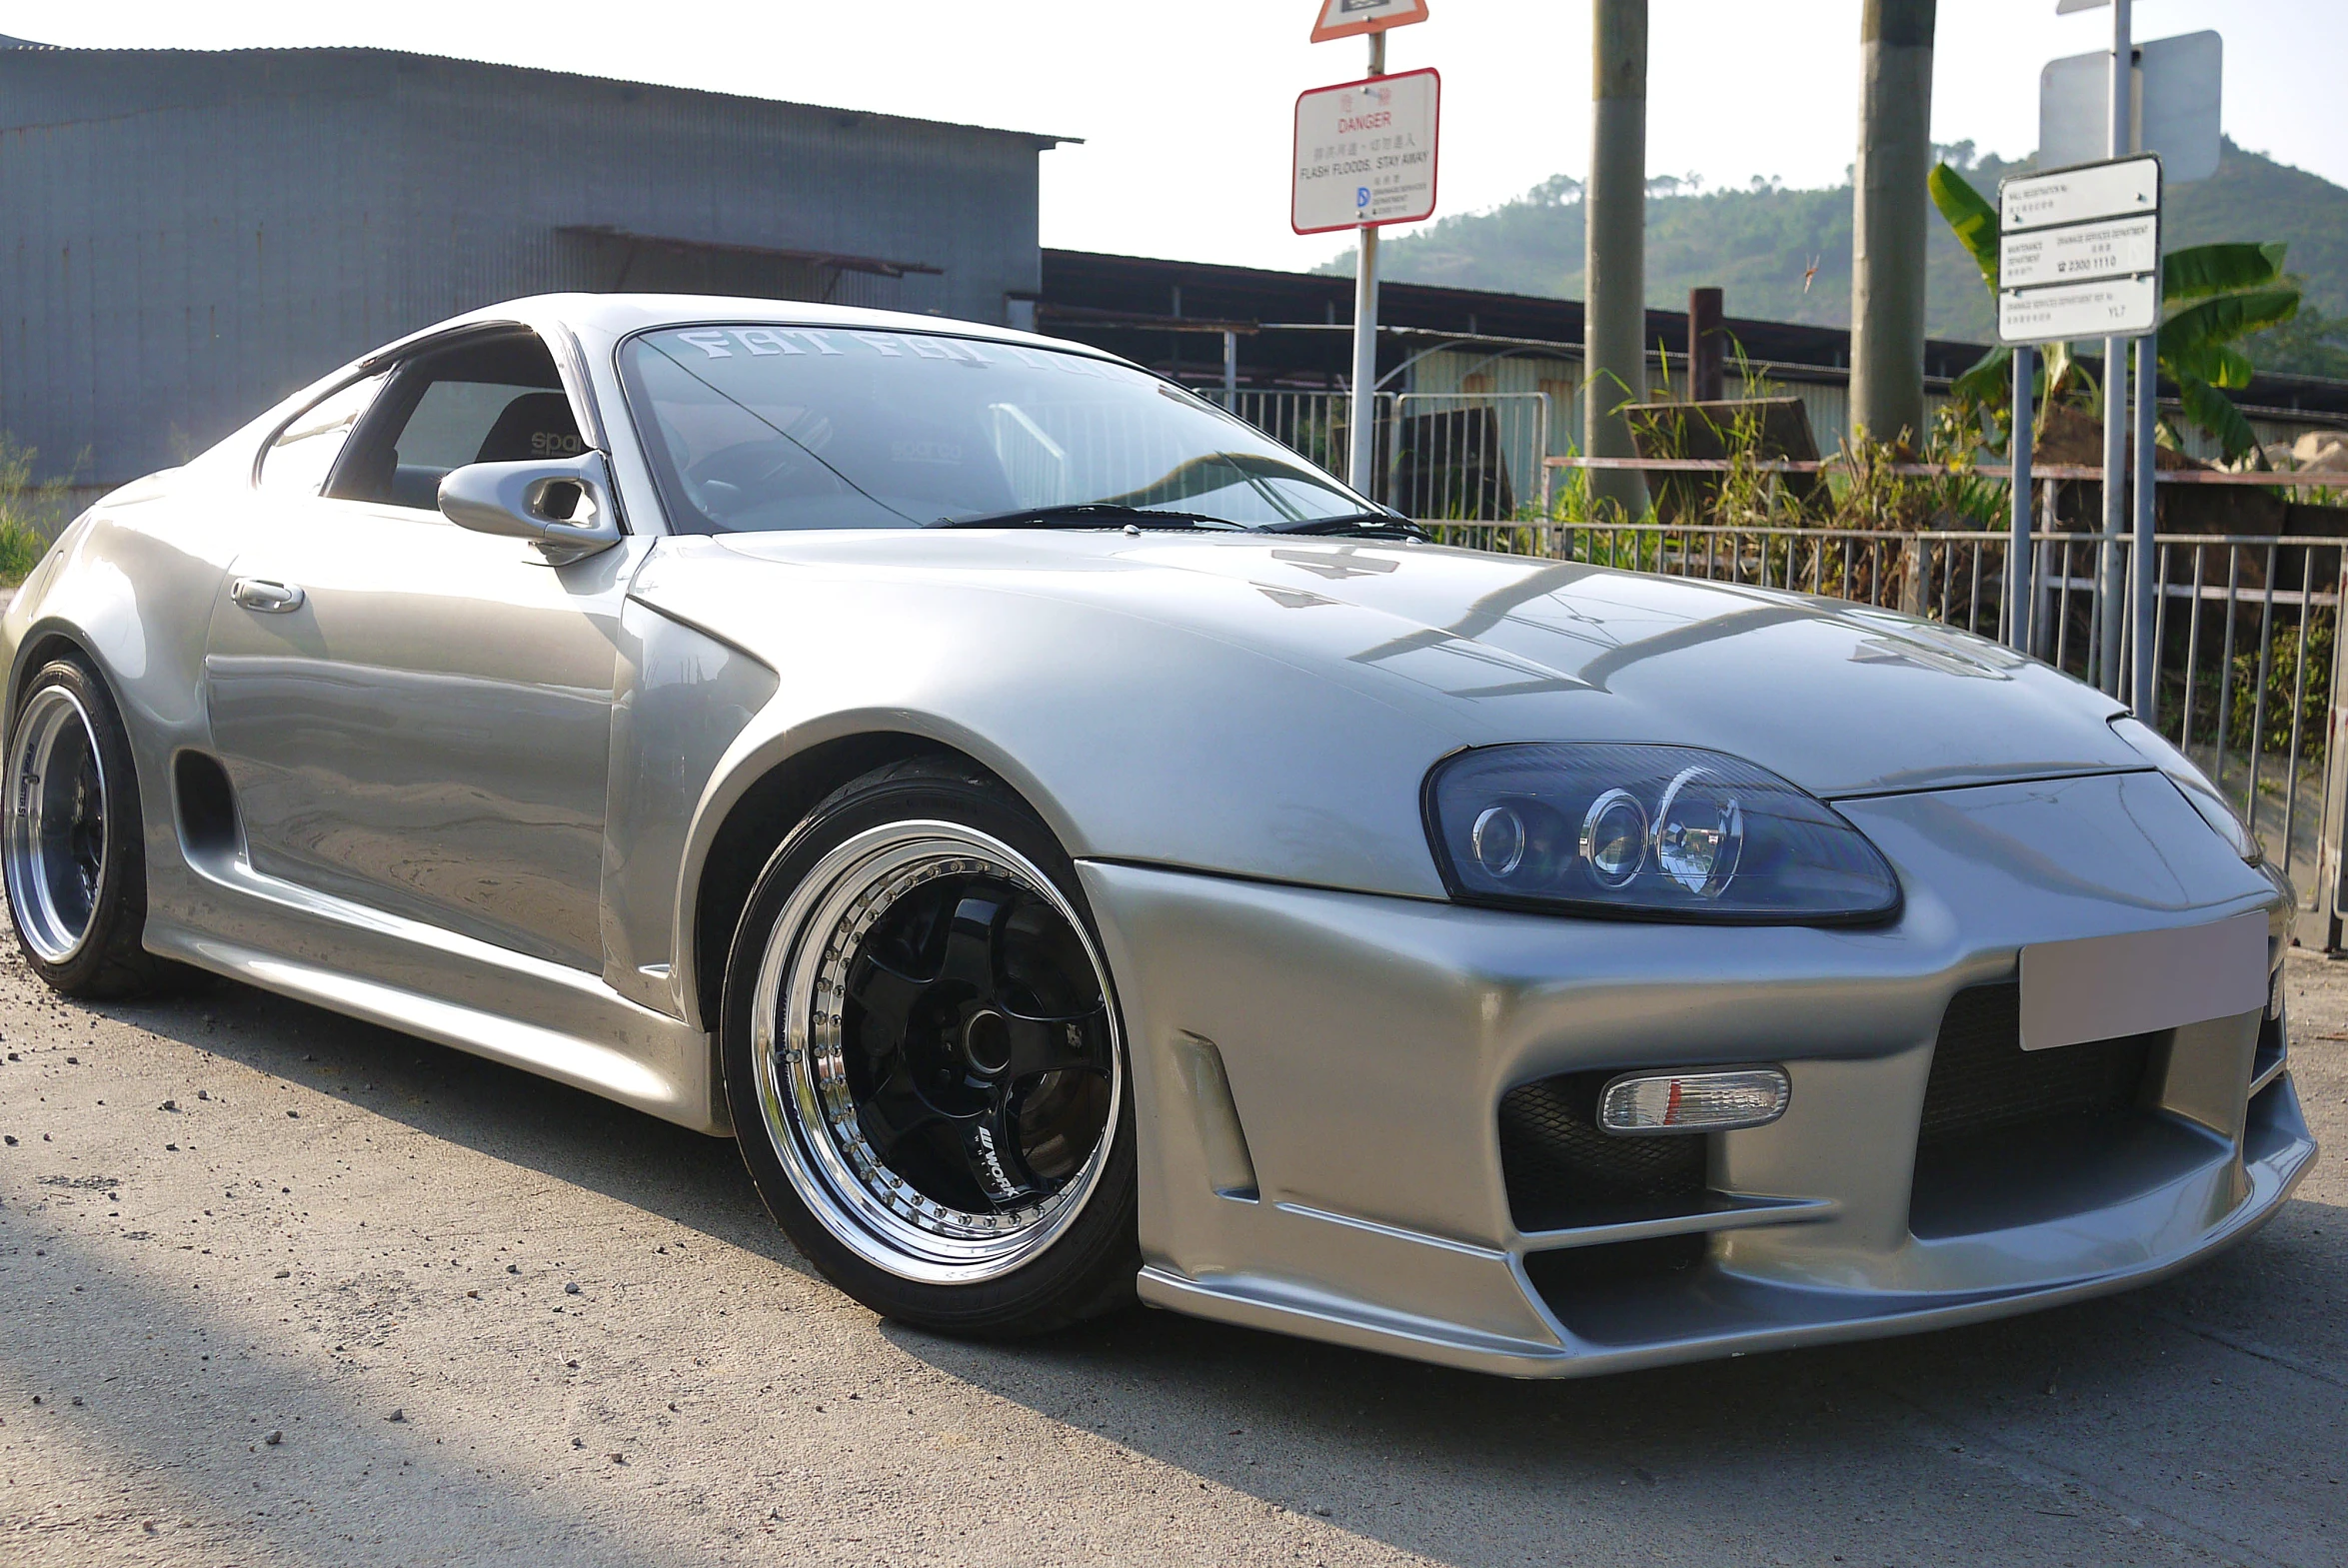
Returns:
point(1983, 1082)
point(2013, 1137)
point(1562, 1173)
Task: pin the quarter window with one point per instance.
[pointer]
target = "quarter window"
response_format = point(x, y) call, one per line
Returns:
point(498, 401)
point(304, 452)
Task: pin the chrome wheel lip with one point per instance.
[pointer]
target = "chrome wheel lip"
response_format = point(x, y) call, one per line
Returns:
point(49, 714)
point(813, 1131)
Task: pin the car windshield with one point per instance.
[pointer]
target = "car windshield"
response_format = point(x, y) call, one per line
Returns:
point(764, 427)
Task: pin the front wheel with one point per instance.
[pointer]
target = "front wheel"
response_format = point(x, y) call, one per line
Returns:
point(925, 1062)
point(71, 843)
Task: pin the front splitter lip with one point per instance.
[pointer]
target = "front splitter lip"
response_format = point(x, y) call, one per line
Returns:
point(1256, 1301)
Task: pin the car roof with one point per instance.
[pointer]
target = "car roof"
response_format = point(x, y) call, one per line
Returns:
point(614, 316)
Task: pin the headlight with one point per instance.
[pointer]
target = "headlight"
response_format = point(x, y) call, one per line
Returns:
point(2192, 783)
point(1647, 832)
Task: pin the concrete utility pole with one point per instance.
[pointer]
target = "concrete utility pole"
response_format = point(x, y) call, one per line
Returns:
point(1613, 209)
point(1888, 219)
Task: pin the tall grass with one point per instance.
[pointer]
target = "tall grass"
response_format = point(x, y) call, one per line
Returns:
point(32, 511)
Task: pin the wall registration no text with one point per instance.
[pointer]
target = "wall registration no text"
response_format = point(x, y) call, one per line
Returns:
point(1366, 153)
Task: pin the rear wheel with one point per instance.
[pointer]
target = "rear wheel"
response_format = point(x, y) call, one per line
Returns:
point(71, 845)
point(925, 1062)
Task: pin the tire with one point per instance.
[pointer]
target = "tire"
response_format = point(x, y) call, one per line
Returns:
point(950, 1137)
point(72, 845)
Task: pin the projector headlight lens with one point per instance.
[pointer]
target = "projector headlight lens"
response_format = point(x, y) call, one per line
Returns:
point(1699, 832)
point(1654, 831)
point(1614, 838)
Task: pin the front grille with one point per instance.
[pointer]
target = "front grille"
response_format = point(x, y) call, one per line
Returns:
point(1983, 1082)
point(1562, 1172)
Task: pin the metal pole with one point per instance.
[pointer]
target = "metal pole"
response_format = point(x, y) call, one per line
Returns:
point(1888, 219)
point(1230, 367)
point(1613, 209)
point(2115, 376)
point(2145, 698)
point(2018, 587)
point(1361, 457)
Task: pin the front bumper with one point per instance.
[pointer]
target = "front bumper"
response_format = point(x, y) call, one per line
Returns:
point(1317, 1076)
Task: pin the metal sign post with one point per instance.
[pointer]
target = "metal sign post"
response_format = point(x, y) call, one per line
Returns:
point(1365, 155)
point(2118, 142)
point(2019, 591)
point(2078, 256)
point(2162, 97)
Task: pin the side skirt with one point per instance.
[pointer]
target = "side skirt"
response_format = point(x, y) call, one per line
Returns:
point(542, 1017)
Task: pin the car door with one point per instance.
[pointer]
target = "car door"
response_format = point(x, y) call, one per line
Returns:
point(416, 717)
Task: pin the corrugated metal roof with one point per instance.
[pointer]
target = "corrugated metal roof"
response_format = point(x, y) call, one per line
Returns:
point(1039, 139)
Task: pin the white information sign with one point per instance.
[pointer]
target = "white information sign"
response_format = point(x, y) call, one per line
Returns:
point(2119, 308)
point(2079, 253)
point(2097, 190)
point(1364, 153)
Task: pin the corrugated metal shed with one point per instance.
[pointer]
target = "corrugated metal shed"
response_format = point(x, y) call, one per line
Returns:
point(191, 235)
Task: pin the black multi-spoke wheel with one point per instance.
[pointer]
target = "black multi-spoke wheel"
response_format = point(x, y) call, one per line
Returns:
point(924, 1059)
point(75, 868)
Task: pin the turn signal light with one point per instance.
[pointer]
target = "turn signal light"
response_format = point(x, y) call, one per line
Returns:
point(1639, 1103)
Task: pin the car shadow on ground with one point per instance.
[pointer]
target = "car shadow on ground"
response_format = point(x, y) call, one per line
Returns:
point(2069, 1418)
point(691, 1178)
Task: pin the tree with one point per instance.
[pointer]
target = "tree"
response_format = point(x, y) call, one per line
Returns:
point(2212, 297)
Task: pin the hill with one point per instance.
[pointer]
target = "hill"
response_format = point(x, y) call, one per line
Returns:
point(1758, 242)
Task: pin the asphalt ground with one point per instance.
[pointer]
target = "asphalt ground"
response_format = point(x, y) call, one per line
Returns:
point(281, 1289)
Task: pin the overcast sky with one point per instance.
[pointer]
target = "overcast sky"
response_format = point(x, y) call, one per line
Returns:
point(1186, 105)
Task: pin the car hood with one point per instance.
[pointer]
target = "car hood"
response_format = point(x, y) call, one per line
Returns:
point(1840, 698)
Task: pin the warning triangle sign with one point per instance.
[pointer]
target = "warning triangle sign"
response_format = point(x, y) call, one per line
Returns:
point(1345, 18)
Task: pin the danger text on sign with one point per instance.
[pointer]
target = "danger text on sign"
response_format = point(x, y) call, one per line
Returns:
point(1364, 153)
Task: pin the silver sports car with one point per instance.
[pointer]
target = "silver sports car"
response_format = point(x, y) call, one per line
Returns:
point(1081, 851)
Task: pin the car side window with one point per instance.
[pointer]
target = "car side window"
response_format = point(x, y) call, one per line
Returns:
point(304, 452)
point(489, 401)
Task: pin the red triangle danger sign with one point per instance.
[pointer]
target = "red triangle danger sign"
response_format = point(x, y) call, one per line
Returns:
point(1345, 18)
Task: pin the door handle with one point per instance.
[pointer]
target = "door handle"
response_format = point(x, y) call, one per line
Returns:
point(269, 597)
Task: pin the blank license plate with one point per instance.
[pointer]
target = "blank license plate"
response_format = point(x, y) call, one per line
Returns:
point(2104, 987)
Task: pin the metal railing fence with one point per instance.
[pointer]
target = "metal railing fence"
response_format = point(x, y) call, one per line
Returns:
point(1454, 454)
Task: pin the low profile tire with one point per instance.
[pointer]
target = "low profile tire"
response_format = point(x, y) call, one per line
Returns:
point(72, 843)
point(925, 1062)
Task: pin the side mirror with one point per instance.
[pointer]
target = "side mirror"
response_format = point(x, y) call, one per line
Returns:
point(564, 507)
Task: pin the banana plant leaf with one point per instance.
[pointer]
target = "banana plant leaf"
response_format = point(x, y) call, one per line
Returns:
point(1970, 214)
point(2200, 270)
point(1986, 380)
point(2219, 364)
point(2211, 409)
point(2225, 318)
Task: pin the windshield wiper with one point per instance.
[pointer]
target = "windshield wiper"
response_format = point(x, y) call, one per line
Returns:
point(1354, 525)
point(1091, 514)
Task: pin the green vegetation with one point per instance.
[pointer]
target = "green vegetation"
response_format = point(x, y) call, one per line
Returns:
point(2272, 720)
point(31, 511)
point(2212, 297)
point(1759, 243)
